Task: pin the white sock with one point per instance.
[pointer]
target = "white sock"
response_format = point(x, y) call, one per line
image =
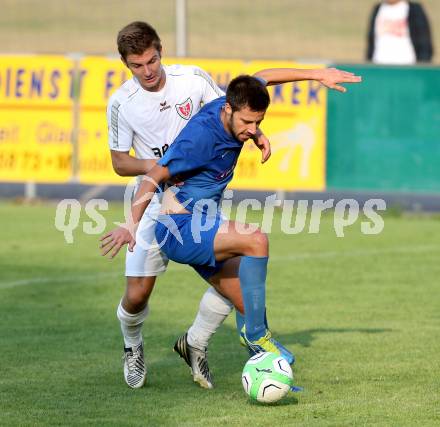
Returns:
point(212, 312)
point(131, 325)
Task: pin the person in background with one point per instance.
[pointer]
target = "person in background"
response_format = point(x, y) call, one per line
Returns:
point(399, 34)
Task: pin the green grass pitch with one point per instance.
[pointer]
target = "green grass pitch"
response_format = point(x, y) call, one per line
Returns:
point(361, 313)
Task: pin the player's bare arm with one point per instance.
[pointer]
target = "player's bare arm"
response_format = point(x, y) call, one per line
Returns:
point(114, 240)
point(329, 77)
point(157, 175)
point(126, 165)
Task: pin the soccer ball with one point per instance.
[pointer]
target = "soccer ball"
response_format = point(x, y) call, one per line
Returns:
point(267, 377)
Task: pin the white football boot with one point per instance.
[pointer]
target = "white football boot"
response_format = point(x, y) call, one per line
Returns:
point(135, 371)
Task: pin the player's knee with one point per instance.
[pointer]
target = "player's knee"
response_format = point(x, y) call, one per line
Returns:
point(137, 300)
point(139, 290)
point(258, 243)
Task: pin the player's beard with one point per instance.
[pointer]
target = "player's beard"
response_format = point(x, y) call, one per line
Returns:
point(233, 130)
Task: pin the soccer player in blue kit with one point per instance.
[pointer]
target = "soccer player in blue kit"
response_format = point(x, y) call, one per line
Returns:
point(190, 228)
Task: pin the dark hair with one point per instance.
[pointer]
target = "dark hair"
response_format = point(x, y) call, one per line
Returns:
point(247, 91)
point(136, 38)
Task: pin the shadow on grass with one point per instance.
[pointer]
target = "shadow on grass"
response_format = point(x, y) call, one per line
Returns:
point(306, 337)
point(229, 357)
point(285, 401)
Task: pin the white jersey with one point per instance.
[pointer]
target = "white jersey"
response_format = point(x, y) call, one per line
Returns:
point(149, 122)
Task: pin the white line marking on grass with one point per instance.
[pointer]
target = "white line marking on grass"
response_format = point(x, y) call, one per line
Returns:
point(65, 279)
point(275, 258)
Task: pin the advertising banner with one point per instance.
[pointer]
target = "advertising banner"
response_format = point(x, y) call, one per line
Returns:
point(53, 123)
point(36, 113)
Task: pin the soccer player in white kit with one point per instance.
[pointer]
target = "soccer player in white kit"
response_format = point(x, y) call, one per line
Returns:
point(147, 113)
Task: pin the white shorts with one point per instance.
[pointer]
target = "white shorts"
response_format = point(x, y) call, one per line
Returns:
point(146, 259)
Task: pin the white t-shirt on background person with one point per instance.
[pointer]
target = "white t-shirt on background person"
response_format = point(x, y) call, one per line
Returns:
point(392, 40)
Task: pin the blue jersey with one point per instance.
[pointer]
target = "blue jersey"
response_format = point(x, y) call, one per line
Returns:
point(204, 155)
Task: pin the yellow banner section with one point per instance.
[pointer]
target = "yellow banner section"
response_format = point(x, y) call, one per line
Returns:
point(36, 80)
point(35, 118)
point(295, 124)
point(47, 103)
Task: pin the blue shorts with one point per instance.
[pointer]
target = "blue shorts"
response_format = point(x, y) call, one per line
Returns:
point(189, 239)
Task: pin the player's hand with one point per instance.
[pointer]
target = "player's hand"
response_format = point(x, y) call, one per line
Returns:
point(175, 180)
point(263, 144)
point(331, 77)
point(114, 240)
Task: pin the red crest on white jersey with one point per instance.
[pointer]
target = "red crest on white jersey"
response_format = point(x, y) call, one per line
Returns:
point(185, 109)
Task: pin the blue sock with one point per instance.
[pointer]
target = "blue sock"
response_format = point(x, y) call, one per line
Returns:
point(252, 275)
point(239, 320)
